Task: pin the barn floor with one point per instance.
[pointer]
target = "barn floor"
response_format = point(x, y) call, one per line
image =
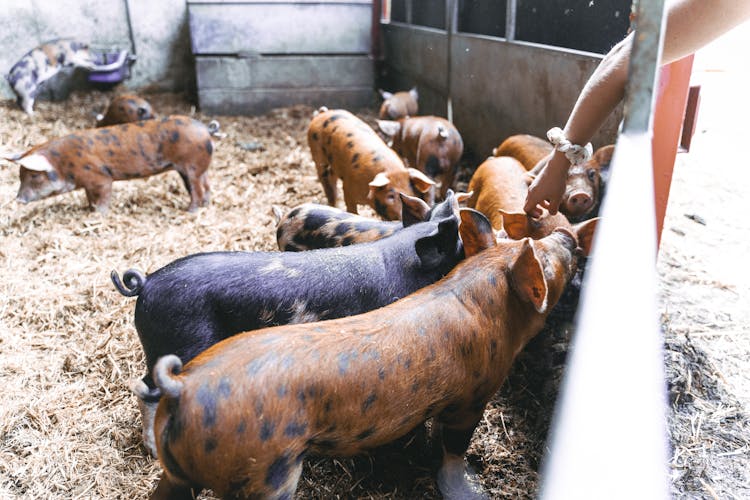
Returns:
point(69, 428)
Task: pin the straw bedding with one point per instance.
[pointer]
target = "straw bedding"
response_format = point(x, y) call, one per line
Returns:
point(69, 427)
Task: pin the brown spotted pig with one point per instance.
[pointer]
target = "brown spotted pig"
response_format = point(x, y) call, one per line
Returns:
point(92, 159)
point(398, 105)
point(586, 183)
point(498, 189)
point(242, 416)
point(429, 143)
point(125, 108)
point(344, 147)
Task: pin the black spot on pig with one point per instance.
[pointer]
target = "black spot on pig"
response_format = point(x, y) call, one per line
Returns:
point(209, 146)
point(366, 433)
point(52, 175)
point(106, 170)
point(295, 429)
point(267, 429)
point(367, 404)
point(209, 445)
point(355, 157)
point(207, 399)
point(278, 472)
point(314, 136)
point(350, 144)
point(241, 427)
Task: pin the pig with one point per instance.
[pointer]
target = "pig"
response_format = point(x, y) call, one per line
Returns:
point(92, 159)
point(125, 108)
point(429, 143)
point(42, 63)
point(499, 186)
point(344, 147)
point(311, 225)
point(198, 300)
point(398, 105)
point(586, 183)
point(241, 417)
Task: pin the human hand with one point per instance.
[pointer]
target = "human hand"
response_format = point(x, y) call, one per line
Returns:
point(548, 188)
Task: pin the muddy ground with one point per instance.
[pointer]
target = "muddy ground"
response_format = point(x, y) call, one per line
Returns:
point(69, 427)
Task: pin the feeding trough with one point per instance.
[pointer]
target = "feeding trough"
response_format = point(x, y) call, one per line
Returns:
point(111, 67)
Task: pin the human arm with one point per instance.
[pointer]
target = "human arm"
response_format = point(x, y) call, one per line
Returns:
point(690, 24)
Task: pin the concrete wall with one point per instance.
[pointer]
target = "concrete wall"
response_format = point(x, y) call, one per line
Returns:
point(160, 29)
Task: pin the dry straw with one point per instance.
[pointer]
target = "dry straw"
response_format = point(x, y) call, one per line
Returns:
point(69, 428)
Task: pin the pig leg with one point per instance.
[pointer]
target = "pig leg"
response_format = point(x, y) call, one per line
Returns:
point(169, 490)
point(194, 188)
point(277, 480)
point(328, 180)
point(99, 196)
point(447, 181)
point(148, 401)
point(351, 202)
point(206, 190)
point(453, 478)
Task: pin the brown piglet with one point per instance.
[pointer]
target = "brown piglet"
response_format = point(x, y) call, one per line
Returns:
point(498, 189)
point(92, 159)
point(241, 417)
point(344, 147)
point(398, 105)
point(584, 187)
point(430, 144)
point(125, 108)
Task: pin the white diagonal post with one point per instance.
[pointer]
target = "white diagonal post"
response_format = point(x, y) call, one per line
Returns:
point(609, 434)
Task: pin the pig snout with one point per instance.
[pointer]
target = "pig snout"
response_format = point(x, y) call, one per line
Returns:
point(578, 203)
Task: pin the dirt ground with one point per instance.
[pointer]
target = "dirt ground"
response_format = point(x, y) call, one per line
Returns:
point(69, 428)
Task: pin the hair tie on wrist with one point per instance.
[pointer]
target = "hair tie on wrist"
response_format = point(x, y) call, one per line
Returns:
point(575, 154)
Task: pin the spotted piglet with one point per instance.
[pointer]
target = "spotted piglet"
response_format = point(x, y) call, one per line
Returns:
point(585, 185)
point(429, 143)
point(42, 63)
point(498, 190)
point(196, 301)
point(92, 159)
point(344, 147)
point(241, 417)
point(125, 108)
point(398, 105)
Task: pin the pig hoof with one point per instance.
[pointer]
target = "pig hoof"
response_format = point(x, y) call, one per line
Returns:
point(456, 482)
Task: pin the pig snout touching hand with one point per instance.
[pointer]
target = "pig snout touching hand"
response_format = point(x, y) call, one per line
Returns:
point(585, 184)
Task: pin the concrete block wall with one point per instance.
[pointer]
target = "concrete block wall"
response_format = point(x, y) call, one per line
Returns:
point(160, 29)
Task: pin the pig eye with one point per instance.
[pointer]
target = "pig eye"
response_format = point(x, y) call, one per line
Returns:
point(591, 173)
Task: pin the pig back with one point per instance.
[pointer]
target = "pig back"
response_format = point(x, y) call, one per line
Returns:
point(353, 151)
point(499, 183)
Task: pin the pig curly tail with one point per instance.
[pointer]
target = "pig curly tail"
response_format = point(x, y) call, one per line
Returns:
point(164, 370)
point(134, 281)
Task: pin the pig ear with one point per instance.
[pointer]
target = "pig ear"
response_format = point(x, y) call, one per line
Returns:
point(585, 234)
point(420, 180)
point(380, 181)
point(475, 231)
point(432, 248)
point(464, 197)
point(413, 210)
point(603, 155)
point(389, 127)
point(37, 162)
point(385, 94)
point(516, 224)
point(414, 94)
point(527, 277)
point(446, 208)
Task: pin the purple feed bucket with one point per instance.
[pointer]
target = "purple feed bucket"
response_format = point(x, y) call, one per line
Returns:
point(110, 67)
